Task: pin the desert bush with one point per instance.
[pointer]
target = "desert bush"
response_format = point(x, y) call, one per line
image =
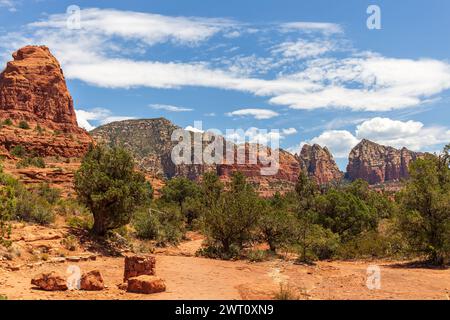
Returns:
point(230, 219)
point(165, 227)
point(425, 207)
point(32, 208)
point(110, 187)
point(277, 226)
point(52, 195)
point(8, 122)
point(181, 190)
point(70, 242)
point(24, 125)
point(286, 292)
point(257, 255)
point(26, 162)
point(18, 151)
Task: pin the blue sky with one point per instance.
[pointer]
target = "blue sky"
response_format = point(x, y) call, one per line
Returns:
point(311, 69)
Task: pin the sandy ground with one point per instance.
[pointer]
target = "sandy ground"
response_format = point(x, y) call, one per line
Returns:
point(190, 277)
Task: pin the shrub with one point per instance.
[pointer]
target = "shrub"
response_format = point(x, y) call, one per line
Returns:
point(70, 242)
point(277, 227)
point(24, 125)
point(108, 185)
point(52, 195)
point(37, 162)
point(164, 227)
point(8, 122)
point(32, 208)
point(286, 292)
point(425, 207)
point(178, 190)
point(18, 151)
point(257, 255)
point(231, 219)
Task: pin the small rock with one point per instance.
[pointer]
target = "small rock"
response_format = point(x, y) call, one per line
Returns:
point(139, 265)
point(92, 281)
point(73, 259)
point(58, 260)
point(50, 282)
point(146, 284)
point(122, 286)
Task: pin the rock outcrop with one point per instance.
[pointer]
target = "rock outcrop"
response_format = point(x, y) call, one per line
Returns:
point(33, 91)
point(377, 163)
point(319, 164)
point(150, 142)
point(50, 282)
point(146, 284)
point(92, 281)
point(138, 265)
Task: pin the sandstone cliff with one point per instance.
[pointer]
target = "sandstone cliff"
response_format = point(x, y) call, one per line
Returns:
point(33, 90)
point(319, 164)
point(150, 142)
point(377, 164)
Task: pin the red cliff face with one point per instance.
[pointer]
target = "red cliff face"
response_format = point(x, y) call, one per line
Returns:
point(319, 164)
point(33, 89)
point(377, 164)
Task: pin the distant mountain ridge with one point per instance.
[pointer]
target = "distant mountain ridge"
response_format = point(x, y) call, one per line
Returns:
point(150, 142)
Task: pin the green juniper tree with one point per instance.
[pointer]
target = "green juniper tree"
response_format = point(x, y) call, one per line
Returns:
point(110, 187)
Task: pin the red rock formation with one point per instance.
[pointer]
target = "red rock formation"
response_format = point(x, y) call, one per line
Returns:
point(281, 180)
point(377, 164)
point(33, 89)
point(319, 164)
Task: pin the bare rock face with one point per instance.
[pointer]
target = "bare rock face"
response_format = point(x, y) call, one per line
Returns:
point(92, 281)
point(33, 89)
point(150, 142)
point(139, 265)
point(377, 164)
point(50, 282)
point(146, 284)
point(267, 184)
point(319, 164)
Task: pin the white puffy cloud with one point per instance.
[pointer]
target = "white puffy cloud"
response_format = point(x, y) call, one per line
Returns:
point(259, 114)
point(289, 131)
point(339, 142)
point(413, 135)
point(193, 129)
point(102, 116)
point(169, 108)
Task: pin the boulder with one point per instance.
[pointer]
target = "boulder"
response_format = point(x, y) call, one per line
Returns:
point(50, 282)
point(139, 265)
point(92, 281)
point(146, 284)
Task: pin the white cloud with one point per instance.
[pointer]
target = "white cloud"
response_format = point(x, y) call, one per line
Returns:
point(103, 116)
point(259, 114)
point(254, 135)
point(339, 142)
point(193, 129)
point(302, 48)
point(170, 108)
point(289, 131)
point(368, 83)
point(324, 27)
point(146, 27)
point(97, 54)
point(413, 135)
point(9, 4)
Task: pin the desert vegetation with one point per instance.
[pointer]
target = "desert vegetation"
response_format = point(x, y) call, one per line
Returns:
point(348, 220)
